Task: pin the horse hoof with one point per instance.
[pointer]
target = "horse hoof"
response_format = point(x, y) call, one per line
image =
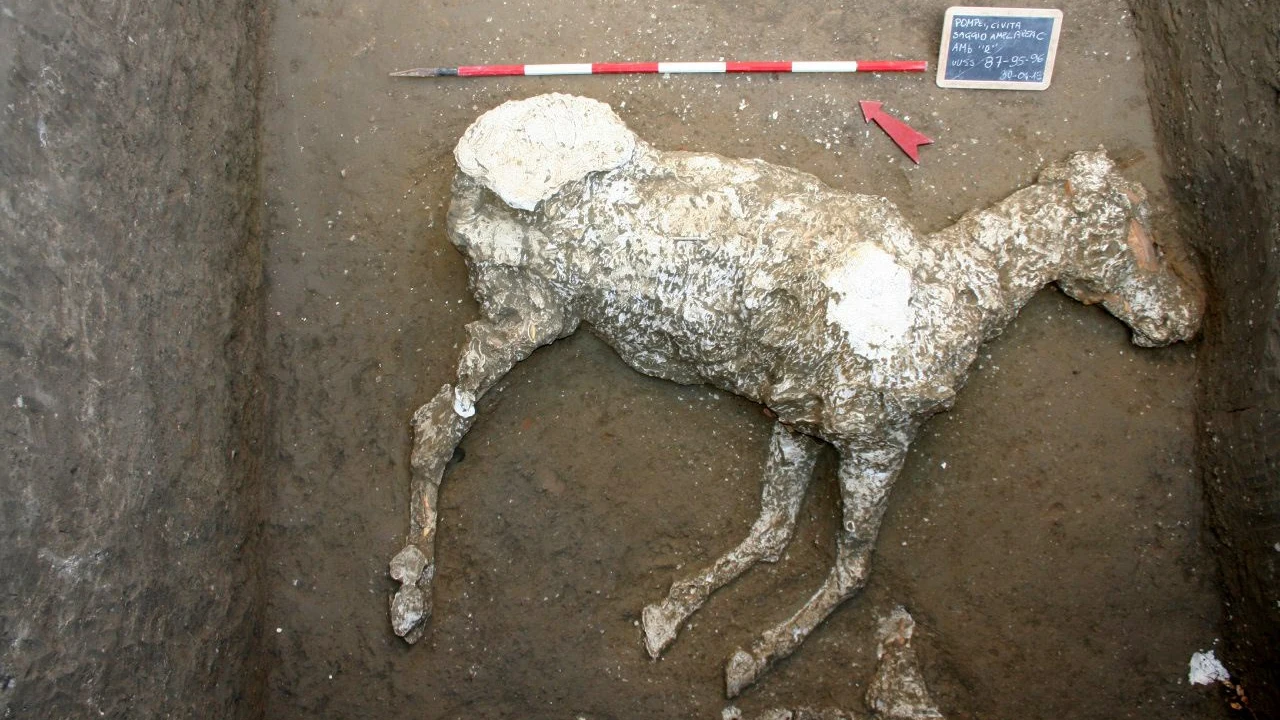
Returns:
point(410, 606)
point(741, 671)
point(409, 612)
point(659, 629)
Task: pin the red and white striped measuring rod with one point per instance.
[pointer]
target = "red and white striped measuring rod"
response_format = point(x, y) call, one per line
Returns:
point(659, 68)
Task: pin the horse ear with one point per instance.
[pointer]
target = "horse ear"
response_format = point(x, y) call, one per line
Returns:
point(1086, 173)
point(1090, 171)
point(526, 150)
point(1053, 173)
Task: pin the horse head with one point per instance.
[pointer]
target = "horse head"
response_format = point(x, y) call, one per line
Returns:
point(1114, 258)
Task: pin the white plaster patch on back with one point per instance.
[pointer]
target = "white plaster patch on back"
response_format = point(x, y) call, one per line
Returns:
point(870, 301)
point(524, 151)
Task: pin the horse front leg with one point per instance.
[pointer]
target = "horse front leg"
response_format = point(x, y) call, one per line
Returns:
point(788, 469)
point(866, 477)
point(493, 348)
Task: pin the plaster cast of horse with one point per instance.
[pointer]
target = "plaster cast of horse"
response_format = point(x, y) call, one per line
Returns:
point(823, 305)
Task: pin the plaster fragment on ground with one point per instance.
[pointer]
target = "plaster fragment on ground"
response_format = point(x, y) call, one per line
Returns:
point(1205, 669)
point(898, 690)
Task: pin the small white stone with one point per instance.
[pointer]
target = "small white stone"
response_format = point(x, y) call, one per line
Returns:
point(1206, 670)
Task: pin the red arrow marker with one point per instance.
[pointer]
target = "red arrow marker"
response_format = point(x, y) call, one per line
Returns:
point(907, 138)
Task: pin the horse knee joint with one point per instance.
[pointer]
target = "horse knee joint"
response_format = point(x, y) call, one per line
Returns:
point(773, 542)
point(850, 574)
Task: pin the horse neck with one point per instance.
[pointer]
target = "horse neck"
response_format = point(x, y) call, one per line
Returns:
point(1008, 252)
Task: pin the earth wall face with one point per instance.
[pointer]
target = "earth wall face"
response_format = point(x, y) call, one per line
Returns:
point(130, 340)
point(1214, 75)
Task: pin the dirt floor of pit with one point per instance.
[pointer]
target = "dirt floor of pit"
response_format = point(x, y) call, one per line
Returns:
point(1045, 533)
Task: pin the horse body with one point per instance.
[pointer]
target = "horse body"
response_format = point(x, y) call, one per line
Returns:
point(823, 305)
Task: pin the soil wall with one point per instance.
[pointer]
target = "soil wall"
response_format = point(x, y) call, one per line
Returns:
point(130, 274)
point(1214, 73)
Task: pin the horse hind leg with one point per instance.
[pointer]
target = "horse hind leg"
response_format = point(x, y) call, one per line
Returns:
point(788, 470)
point(865, 481)
point(493, 348)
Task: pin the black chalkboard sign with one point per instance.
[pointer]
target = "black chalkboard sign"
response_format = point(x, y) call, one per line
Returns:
point(998, 48)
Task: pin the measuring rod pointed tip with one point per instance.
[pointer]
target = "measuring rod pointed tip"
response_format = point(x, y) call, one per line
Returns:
point(417, 72)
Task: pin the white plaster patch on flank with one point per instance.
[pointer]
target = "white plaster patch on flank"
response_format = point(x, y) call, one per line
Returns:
point(871, 301)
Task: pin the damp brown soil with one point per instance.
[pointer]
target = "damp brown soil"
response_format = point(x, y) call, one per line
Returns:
point(1045, 533)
